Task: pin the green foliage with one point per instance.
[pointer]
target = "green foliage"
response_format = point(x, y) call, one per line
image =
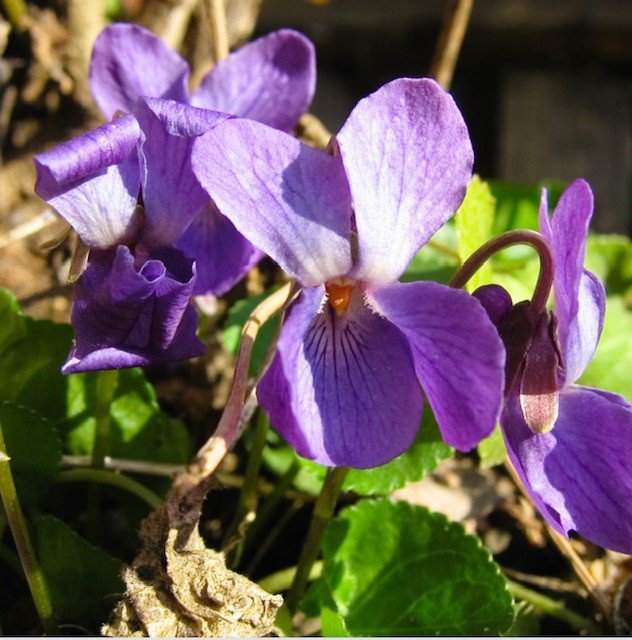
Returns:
point(83, 581)
point(34, 447)
point(610, 258)
point(396, 569)
point(474, 225)
point(425, 453)
point(492, 449)
point(431, 263)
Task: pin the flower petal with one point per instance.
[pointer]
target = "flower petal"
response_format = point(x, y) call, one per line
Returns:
point(271, 80)
point(458, 356)
point(127, 317)
point(93, 182)
point(222, 255)
point(289, 200)
point(579, 296)
point(342, 390)
point(171, 193)
point(579, 473)
point(408, 156)
point(129, 62)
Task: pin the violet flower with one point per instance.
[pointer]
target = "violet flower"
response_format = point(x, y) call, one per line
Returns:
point(270, 80)
point(343, 388)
point(128, 191)
point(570, 444)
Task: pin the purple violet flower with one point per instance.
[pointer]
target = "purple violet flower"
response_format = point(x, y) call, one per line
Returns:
point(128, 190)
point(570, 444)
point(271, 80)
point(343, 388)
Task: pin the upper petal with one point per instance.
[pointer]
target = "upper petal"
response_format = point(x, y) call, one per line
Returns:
point(408, 157)
point(458, 356)
point(171, 193)
point(93, 181)
point(342, 390)
point(222, 255)
point(289, 200)
point(126, 316)
point(579, 473)
point(271, 80)
point(129, 61)
point(579, 296)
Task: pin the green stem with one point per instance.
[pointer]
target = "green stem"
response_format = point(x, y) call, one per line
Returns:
point(269, 506)
point(16, 12)
point(554, 608)
point(101, 476)
point(248, 496)
point(106, 387)
point(323, 511)
point(282, 580)
point(17, 524)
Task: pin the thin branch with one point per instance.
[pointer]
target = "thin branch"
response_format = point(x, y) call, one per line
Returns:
point(455, 21)
point(28, 228)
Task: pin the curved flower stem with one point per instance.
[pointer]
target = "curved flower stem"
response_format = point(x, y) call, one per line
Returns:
point(106, 387)
point(455, 21)
point(323, 511)
point(521, 236)
point(101, 476)
point(248, 496)
point(554, 608)
point(190, 487)
point(17, 523)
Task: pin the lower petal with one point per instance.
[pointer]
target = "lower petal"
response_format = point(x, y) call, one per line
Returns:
point(126, 317)
point(579, 473)
point(458, 356)
point(342, 389)
point(222, 255)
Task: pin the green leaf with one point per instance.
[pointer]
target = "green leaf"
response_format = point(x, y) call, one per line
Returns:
point(11, 320)
point(492, 450)
point(397, 569)
point(611, 365)
point(609, 257)
point(139, 429)
point(526, 623)
point(235, 320)
point(83, 581)
point(432, 264)
point(427, 450)
point(474, 225)
point(34, 448)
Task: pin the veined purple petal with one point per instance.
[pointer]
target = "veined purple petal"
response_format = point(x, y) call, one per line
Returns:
point(342, 389)
point(93, 182)
point(129, 62)
point(126, 316)
point(171, 193)
point(579, 296)
point(289, 200)
point(408, 156)
point(270, 80)
point(222, 255)
point(458, 356)
point(579, 473)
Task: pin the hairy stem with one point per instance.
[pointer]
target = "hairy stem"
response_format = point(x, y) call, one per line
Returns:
point(17, 523)
point(100, 476)
point(323, 511)
point(522, 236)
point(554, 608)
point(455, 21)
point(106, 387)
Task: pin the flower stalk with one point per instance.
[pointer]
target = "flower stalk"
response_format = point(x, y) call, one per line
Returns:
point(522, 236)
point(106, 387)
point(323, 511)
point(17, 523)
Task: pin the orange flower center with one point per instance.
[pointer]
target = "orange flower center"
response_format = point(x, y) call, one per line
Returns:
point(339, 293)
